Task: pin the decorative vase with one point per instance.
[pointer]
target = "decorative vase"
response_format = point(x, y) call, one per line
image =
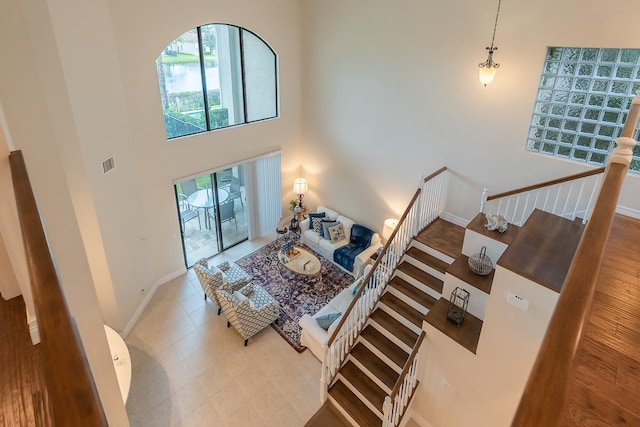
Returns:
point(297, 210)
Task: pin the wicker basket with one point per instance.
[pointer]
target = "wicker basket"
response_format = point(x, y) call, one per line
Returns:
point(480, 263)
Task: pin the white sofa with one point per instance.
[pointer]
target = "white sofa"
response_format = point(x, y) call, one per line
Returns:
point(313, 336)
point(325, 248)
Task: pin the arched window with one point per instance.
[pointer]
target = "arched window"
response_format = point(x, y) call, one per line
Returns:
point(236, 70)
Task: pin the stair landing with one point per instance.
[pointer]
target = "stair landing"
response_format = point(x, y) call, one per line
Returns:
point(543, 249)
point(443, 236)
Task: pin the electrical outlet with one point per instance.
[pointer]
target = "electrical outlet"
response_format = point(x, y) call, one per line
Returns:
point(517, 301)
point(142, 291)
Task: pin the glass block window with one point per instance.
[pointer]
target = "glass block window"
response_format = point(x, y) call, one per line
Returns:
point(582, 103)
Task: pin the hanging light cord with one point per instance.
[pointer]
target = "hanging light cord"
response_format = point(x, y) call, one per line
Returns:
point(495, 25)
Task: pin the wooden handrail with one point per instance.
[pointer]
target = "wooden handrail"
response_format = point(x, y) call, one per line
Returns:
point(545, 396)
point(407, 366)
point(433, 175)
point(373, 269)
point(547, 183)
point(72, 392)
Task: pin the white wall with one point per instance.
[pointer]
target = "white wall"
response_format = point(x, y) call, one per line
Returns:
point(390, 93)
point(39, 117)
point(459, 388)
point(142, 29)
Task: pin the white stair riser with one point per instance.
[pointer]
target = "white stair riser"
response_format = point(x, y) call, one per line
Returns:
point(473, 243)
point(410, 301)
point(360, 397)
point(424, 267)
point(343, 412)
point(431, 251)
point(418, 284)
point(381, 355)
point(369, 374)
point(399, 318)
point(389, 336)
point(478, 300)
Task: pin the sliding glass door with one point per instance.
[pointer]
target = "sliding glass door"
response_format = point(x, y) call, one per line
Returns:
point(212, 221)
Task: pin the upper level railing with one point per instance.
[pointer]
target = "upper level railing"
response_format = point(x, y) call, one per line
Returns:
point(570, 197)
point(545, 395)
point(425, 206)
point(72, 392)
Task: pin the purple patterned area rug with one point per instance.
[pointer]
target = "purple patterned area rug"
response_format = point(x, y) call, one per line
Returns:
point(297, 294)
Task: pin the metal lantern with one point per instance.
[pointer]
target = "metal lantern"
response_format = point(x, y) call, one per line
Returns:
point(458, 305)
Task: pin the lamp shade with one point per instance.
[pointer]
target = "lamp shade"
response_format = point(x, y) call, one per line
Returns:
point(300, 186)
point(487, 74)
point(389, 225)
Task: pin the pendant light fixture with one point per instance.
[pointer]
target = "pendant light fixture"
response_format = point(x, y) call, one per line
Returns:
point(487, 69)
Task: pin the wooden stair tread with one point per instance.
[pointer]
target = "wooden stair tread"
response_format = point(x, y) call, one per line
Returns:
point(375, 365)
point(544, 249)
point(422, 298)
point(394, 327)
point(428, 259)
point(328, 415)
point(467, 334)
point(443, 236)
point(385, 345)
point(402, 308)
point(365, 385)
point(478, 223)
point(353, 406)
point(421, 276)
point(460, 269)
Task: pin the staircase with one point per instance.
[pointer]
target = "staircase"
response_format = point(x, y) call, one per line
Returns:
point(380, 353)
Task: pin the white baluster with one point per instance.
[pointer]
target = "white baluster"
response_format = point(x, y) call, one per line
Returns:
point(386, 411)
point(575, 208)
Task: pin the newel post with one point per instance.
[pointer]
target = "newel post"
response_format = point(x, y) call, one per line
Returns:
point(323, 376)
point(625, 143)
point(387, 406)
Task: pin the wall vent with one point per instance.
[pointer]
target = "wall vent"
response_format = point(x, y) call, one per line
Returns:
point(107, 165)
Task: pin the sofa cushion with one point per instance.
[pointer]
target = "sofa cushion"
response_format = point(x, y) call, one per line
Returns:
point(325, 225)
point(325, 320)
point(329, 247)
point(315, 219)
point(312, 236)
point(361, 236)
point(336, 233)
point(347, 223)
point(328, 212)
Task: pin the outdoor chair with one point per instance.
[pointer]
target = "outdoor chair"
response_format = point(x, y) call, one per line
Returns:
point(187, 213)
point(227, 213)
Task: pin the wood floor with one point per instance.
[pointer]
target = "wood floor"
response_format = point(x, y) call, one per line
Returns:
point(23, 394)
point(606, 387)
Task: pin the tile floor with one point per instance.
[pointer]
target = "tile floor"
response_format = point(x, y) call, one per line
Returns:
point(189, 369)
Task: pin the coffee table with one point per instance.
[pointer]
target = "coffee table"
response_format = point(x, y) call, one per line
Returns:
point(304, 264)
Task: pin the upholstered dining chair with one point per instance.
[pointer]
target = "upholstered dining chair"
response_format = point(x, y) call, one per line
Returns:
point(249, 309)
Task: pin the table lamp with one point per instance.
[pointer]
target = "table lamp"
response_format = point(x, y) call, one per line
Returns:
point(300, 187)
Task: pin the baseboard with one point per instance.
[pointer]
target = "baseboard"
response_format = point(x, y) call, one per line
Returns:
point(34, 331)
point(454, 219)
point(161, 281)
point(633, 213)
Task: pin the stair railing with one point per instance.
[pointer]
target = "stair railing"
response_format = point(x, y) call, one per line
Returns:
point(425, 206)
point(70, 386)
point(395, 404)
point(545, 396)
point(569, 197)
